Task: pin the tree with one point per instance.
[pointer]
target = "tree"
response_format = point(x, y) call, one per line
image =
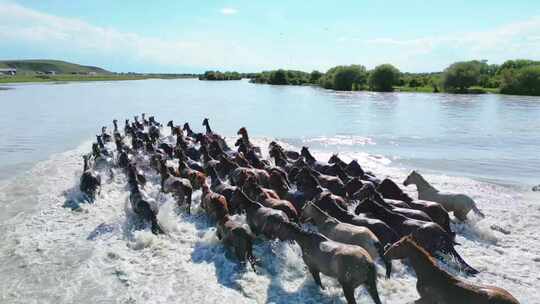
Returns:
point(278, 77)
point(315, 76)
point(459, 76)
point(345, 78)
point(523, 81)
point(414, 83)
point(383, 78)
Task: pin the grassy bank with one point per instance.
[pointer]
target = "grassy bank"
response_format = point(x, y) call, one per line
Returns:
point(426, 89)
point(70, 77)
point(429, 89)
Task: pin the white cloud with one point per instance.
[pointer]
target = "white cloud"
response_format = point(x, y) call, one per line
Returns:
point(37, 31)
point(40, 30)
point(514, 40)
point(228, 11)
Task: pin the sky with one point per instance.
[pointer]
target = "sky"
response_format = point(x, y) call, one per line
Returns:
point(251, 35)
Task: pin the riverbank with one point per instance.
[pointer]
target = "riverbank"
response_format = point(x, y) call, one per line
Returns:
point(70, 77)
point(430, 89)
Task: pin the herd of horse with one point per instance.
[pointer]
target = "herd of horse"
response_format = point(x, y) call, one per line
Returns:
point(360, 219)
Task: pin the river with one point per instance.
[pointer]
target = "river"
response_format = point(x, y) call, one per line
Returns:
point(483, 145)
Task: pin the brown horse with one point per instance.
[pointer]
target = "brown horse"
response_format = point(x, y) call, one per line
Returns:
point(280, 183)
point(269, 199)
point(351, 265)
point(237, 236)
point(196, 178)
point(180, 187)
point(245, 139)
point(261, 220)
point(213, 203)
point(438, 286)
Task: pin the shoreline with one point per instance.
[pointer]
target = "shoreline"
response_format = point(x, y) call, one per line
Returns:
point(64, 78)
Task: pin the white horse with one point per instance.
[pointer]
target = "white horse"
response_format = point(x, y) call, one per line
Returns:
point(460, 204)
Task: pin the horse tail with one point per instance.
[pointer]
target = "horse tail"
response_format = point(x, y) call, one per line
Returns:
point(477, 211)
point(387, 261)
point(466, 267)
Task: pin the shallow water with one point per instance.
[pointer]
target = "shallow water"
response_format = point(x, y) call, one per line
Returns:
point(480, 145)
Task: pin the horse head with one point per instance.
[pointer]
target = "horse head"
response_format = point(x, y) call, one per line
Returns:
point(411, 178)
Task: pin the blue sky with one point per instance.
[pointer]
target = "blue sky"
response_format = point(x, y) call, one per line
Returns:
point(193, 36)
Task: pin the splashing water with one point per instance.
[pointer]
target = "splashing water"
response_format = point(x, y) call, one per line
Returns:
point(101, 252)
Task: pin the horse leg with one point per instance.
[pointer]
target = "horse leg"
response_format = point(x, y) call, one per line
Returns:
point(189, 193)
point(461, 215)
point(349, 293)
point(316, 276)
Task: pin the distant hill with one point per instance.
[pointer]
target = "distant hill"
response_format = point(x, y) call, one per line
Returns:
point(43, 66)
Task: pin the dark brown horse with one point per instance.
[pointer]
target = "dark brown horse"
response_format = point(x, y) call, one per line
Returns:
point(428, 234)
point(261, 220)
point(258, 194)
point(438, 286)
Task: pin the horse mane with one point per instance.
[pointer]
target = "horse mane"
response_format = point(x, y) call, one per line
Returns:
point(306, 233)
point(327, 216)
point(307, 154)
point(375, 194)
point(384, 212)
point(426, 257)
point(422, 179)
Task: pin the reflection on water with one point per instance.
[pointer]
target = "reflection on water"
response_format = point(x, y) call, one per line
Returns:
point(489, 136)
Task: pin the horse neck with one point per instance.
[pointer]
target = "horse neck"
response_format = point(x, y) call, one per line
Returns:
point(205, 189)
point(214, 178)
point(255, 160)
point(258, 192)
point(319, 217)
point(343, 175)
point(85, 165)
point(223, 219)
point(205, 154)
point(189, 131)
point(250, 204)
point(280, 188)
point(387, 215)
point(233, 165)
point(241, 161)
point(164, 172)
point(245, 137)
point(424, 265)
point(379, 199)
point(337, 212)
point(303, 238)
point(423, 184)
point(279, 161)
point(310, 157)
point(208, 129)
point(340, 162)
point(312, 192)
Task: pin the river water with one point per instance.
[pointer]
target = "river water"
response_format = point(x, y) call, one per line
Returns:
point(482, 145)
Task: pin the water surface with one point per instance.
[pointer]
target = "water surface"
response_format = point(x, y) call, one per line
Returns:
point(485, 146)
point(483, 136)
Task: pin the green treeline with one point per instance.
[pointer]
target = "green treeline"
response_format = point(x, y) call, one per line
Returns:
point(519, 77)
point(217, 75)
